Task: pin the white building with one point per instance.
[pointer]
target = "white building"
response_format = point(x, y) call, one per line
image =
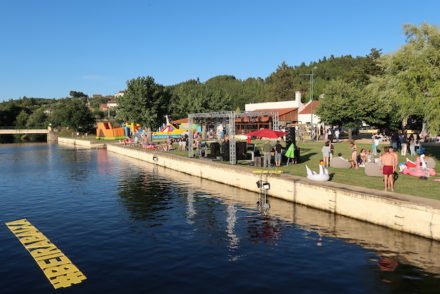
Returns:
point(119, 94)
point(276, 105)
point(308, 115)
point(290, 112)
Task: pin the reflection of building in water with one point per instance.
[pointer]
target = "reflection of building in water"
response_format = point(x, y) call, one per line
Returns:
point(231, 220)
point(102, 159)
point(190, 210)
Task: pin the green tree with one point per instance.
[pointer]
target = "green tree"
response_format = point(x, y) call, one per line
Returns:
point(21, 119)
point(144, 102)
point(280, 84)
point(74, 114)
point(38, 119)
point(342, 105)
point(413, 75)
point(77, 94)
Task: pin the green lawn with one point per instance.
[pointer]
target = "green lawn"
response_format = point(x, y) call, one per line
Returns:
point(311, 152)
point(311, 155)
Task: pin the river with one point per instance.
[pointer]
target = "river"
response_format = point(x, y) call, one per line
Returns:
point(132, 227)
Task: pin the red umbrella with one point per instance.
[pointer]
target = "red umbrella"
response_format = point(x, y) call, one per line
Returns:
point(266, 133)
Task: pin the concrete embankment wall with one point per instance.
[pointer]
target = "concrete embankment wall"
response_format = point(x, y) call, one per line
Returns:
point(400, 212)
point(79, 142)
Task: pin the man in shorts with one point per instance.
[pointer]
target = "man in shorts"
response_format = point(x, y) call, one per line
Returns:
point(388, 161)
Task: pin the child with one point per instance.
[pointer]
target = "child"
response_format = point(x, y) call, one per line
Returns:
point(370, 156)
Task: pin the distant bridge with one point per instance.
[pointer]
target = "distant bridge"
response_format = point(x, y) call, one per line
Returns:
point(23, 131)
point(52, 137)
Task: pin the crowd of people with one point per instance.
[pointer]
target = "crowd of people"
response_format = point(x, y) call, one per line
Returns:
point(275, 155)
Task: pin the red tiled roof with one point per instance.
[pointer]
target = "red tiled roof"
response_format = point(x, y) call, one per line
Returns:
point(310, 107)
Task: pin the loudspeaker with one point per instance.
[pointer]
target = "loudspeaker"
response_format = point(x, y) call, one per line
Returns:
point(215, 149)
point(225, 150)
point(241, 150)
point(290, 137)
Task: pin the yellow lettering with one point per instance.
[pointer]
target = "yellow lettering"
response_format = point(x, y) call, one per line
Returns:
point(32, 239)
point(56, 266)
point(41, 244)
point(16, 229)
point(54, 261)
point(60, 270)
point(19, 222)
point(67, 280)
point(28, 232)
point(40, 254)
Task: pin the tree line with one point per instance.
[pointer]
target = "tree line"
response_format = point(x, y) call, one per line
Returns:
point(382, 90)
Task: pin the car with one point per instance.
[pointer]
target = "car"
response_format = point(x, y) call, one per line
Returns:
point(368, 130)
point(408, 131)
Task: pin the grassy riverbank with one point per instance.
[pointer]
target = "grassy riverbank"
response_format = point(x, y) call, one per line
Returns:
point(311, 155)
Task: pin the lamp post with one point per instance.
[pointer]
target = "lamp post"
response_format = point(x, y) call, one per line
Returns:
point(311, 75)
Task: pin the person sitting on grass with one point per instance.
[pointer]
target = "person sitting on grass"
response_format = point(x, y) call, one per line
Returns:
point(370, 156)
point(362, 158)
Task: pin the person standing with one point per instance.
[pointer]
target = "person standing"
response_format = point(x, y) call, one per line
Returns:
point(337, 133)
point(278, 149)
point(326, 153)
point(396, 156)
point(267, 149)
point(329, 134)
point(417, 147)
point(376, 141)
point(404, 144)
point(388, 161)
point(353, 155)
point(412, 145)
point(290, 154)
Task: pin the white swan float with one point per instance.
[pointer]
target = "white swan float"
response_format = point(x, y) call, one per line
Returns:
point(323, 175)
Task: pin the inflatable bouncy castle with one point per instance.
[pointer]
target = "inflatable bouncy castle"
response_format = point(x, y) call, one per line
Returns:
point(105, 131)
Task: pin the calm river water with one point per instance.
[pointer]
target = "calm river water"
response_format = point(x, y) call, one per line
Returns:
point(131, 227)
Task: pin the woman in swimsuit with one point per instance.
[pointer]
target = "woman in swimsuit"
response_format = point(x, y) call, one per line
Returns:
point(353, 155)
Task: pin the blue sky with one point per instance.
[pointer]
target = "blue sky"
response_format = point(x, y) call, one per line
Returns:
point(49, 47)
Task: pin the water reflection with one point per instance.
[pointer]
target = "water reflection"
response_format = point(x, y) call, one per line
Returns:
point(264, 229)
point(231, 219)
point(144, 196)
point(76, 162)
point(190, 210)
point(406, 249)
point(144, 229)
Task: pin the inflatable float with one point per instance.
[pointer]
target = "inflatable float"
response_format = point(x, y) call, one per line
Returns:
point(418, 169)
point(323, 175)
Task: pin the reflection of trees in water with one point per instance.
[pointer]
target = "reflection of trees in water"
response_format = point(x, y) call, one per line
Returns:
point(78, 163)
point(264, 229)
point(144, 194)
